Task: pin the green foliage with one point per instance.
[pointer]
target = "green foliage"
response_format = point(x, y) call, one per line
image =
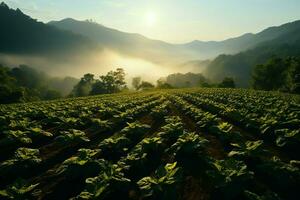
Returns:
point(266, 196)
point(110, 182)
point(73, 135)
point(286, 173)
point(136, 81)
point(179, 80)
point(19, 190)
point(173, 129)
point(113, 82)
point(163, 85)
point(277, 74)
point(163, 184)
point(22, 159)
point(188, 148)
point(146, 85)
point(22, 84)
point(225, 133)
point(227, 83)
point(270, 76)
point(20, 136)
point(248, 149)
point(84, 87)
point(230, 177)
point(84, 164)
point(138, 150)
point(287, 137)
point(114, 146)
point(135, 130)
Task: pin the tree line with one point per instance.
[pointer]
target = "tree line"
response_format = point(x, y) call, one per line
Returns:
point(279, 74)
point(23, 83)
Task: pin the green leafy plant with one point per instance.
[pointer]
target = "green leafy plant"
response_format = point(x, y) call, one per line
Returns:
point(83, 165)
point(282, 176)
point(163, 184)
point(266, 196)
point(110, 183)
point(189, 150)
point(224, 131)
point(208, 120)
point(287, 137)
point(19, 190)
point(114, 146)
point(100, 124)
point(18, 135)
point(23, 159)
point(143, 157)
point(230, 178)
point(37, 131)
point(173, 129)
point(135, 130)
point(73, 135)
point(249, 149)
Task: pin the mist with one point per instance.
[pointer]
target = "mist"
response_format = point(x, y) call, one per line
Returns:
point(97, 63)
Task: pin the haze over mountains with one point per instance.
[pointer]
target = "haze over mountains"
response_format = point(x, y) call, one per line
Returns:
point(77, 47)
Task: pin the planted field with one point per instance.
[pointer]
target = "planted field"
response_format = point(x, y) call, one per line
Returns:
point(173, 144)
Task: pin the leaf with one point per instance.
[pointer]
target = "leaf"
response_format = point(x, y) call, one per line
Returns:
point(235, 153)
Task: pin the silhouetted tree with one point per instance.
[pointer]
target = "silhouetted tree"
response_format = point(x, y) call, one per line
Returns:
point(112, 82)
point(271, 75)
point(136, 81)
point(23, 84)
point(227, 83)
point(146, 85)
point(184, 80)
point(163, 85)
point(84, 87)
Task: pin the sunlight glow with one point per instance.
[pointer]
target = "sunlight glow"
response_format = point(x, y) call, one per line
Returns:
point(151, 18)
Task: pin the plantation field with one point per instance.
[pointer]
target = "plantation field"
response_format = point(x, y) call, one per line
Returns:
point(167, 144)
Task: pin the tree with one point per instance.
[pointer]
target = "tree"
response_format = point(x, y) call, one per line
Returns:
point(163, 85)
point(112, 82)
point(293, 75)
point(84, 87)
point(51, 94)
point(136, 81)
point(146, 85)
point(271, 75)
point(227, 83)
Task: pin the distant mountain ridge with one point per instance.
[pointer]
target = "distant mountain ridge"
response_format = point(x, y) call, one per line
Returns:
point(21, 34)
point(131, 44)
point(244, 42)
point(140, 46)
point(285, 42)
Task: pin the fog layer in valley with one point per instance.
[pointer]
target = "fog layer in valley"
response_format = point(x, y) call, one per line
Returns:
point(97, 63)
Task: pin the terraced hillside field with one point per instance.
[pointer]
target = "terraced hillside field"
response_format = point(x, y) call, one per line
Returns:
point(172, 144)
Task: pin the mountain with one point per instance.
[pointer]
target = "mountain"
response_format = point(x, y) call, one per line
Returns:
point(285, 42)
point(245, 42)
point(21, 34)
point(158, 51)
point(130, 44)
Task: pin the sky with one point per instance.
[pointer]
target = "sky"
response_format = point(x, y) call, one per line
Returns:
point(176, 21)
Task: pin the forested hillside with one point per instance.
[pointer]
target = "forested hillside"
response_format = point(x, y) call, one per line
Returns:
point(240, 66)
point(20, 34)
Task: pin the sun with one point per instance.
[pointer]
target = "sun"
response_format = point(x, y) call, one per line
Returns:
point(151, 18)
